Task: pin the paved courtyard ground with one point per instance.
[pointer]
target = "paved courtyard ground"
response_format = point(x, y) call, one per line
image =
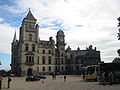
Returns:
point(73, 83)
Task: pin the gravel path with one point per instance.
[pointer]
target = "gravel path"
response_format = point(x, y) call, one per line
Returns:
point(72, 83)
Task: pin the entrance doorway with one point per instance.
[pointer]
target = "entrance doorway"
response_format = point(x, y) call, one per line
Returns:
point(29, 72)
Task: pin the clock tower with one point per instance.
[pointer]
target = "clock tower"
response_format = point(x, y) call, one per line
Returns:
point(60, 44)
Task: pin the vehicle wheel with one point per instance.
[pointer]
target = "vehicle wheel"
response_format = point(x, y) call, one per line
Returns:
point(116, 80)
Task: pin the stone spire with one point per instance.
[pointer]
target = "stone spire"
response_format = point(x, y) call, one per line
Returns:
point(14, 39)
point(30, 16)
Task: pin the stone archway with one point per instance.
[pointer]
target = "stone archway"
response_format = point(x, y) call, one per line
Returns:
point(29, 72)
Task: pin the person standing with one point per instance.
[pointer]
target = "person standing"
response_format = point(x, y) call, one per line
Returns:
point(1, 81)
point(9, 80)
point(65, 78)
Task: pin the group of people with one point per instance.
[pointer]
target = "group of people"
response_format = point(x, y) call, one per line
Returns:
point(8, 84)
point(107, 76)
point(54, 77)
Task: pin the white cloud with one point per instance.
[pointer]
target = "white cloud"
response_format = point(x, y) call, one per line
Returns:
point(97, 18)
point(1, 19)
point(6, 36)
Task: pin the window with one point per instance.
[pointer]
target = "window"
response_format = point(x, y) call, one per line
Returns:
point(76, 61)
point(49, 60)
point(71, 68)
point(49, 68)
point(30, 59)
point(33, 48)
point(61, 54)
point(30, 37)
point(26, 58)
point(55, 68)
point(26, 47)
point(62, 62)
point(43, 51)
point(43, 68)
point(55, 61)
point(49, 51)
point(77, 68)
point(62, 68)
point(66, 68)
point(38, 60)
point(43, 60)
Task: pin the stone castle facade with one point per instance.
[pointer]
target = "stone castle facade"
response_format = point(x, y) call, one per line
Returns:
point(30, 55)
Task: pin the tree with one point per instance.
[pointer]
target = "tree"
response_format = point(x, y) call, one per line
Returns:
point(2, 71)
point(116, 59)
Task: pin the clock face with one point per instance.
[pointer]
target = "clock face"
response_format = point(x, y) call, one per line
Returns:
point(61, 39)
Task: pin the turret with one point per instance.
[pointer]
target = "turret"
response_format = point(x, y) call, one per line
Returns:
point(29, 30)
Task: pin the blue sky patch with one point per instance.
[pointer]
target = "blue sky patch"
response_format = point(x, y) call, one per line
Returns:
point(5, 61)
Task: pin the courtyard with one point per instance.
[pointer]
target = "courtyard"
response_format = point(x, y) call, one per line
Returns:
point(73, 83)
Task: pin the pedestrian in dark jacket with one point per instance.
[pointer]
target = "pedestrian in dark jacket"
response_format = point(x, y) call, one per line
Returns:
point(65, 78)
point(9, 80)
point(1, 81)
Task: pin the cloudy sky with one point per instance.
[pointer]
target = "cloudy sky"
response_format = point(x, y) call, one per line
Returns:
point(84, 22)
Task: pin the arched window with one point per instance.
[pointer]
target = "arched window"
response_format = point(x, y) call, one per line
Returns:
point(26, 47)
point(43, 60)
point(49, 60)
point(33, 47)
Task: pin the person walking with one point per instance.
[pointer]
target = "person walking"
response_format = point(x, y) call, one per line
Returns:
point(9, 80)
point(103, 78)
point(110, 78)
point(1, 81)
point(65, 78)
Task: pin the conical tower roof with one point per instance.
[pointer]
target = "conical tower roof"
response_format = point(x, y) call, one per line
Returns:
point(30, 16)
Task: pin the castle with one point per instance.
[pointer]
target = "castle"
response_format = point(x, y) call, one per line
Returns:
point(30, 55)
